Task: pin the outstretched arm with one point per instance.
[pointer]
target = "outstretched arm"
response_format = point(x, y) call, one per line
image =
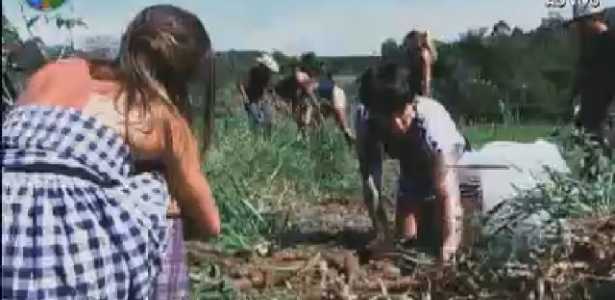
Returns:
point(370, 154)
point(187, 182)
point(449, 200)
point(447, 145)
point(241, 87)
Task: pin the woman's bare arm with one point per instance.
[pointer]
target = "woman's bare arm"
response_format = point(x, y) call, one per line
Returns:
point(241, 86)
point(187, 183)
point(448, 196)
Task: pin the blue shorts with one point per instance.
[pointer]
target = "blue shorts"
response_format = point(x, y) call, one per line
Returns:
point(415, 189)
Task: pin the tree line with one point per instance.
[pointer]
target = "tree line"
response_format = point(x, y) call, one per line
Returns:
point(495, 73)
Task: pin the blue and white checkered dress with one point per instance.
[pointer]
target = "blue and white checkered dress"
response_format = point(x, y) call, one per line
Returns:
point(77, 222)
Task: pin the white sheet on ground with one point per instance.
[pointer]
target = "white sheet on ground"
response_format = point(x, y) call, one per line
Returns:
point(526, 164)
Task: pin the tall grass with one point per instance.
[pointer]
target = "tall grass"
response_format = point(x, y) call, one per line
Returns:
point(253, 176)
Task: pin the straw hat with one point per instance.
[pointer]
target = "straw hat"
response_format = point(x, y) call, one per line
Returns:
point(267, 60)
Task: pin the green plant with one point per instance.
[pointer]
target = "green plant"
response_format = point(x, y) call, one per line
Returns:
point(582, 192)
point(252, 176)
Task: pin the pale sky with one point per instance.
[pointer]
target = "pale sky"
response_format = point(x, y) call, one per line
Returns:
point(328, 27)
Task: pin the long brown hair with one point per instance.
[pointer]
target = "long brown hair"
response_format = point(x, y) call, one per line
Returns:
point(425, 42)
point(164, 46)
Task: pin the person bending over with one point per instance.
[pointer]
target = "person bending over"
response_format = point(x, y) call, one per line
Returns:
point(419, 133)
point(256, 92)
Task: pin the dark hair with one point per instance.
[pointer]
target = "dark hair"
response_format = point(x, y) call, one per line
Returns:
point(168, 46)
point(425, 42)
point(385, 88)
point(411, 34)
point(310, 64)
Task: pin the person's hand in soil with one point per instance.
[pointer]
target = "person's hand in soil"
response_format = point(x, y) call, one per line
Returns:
point(381, 246)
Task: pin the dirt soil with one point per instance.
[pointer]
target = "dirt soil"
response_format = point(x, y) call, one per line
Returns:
point(321, 257)
point(324, 257)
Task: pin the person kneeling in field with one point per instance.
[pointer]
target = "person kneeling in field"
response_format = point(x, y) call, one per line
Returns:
point(421, 135)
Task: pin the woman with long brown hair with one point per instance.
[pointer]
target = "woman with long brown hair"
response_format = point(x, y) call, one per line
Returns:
point(421, 55)
point(91, 155)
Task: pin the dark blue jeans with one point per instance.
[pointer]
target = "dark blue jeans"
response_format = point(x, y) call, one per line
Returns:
point(259, 113)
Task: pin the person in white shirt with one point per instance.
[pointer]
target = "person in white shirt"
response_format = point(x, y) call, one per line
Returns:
point(422, 136)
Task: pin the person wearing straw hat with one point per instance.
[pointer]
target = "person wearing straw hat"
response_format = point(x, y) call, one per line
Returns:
point(256, 91)
point(595, 70)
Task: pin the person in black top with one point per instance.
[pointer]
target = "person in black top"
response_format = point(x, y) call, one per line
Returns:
point(595, 78)
point(256, 92)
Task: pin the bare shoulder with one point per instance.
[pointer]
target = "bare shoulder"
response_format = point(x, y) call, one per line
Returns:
point(49, 85)
point(64, 66)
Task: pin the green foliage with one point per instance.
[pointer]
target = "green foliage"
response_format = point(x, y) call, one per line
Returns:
point(480, 134)
point(10, 36)
point(529, 72)
point(251, 176)
point(550, 206)
point(390, 50)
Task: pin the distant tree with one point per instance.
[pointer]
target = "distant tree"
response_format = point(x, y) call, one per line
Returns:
point(516, 32)
point(10, 35)
point(610, 16)
point(389, 49)
point(501, 28)
point(285, 62)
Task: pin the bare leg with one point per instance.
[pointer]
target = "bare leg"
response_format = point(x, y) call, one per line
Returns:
point(307, 115)
point(267, 118)
point(301, 115)
point(407, 218)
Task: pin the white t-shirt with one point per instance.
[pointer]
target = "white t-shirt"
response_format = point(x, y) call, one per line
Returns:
point(441, 132)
